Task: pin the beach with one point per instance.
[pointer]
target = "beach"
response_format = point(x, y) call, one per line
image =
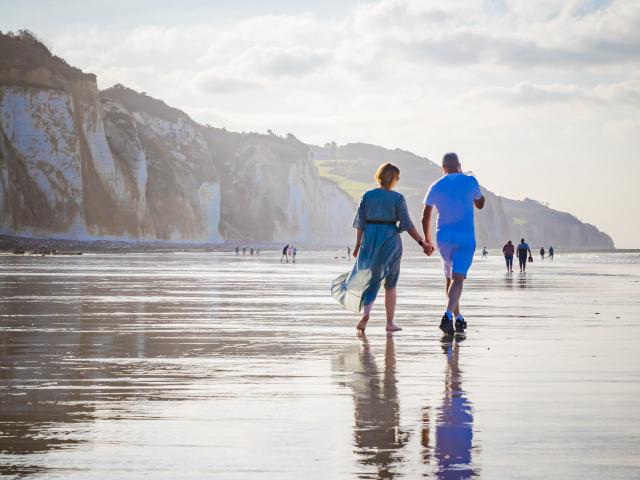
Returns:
point(211, 365)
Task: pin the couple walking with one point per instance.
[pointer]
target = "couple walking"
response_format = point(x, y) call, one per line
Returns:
point(382, 215)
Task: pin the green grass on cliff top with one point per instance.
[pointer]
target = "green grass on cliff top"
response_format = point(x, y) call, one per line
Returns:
point(353, 188)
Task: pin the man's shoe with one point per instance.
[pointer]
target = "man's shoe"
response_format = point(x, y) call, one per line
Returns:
point(461, 325)
point(446, 325)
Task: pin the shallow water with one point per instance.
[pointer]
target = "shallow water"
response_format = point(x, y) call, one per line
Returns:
point(207, 365)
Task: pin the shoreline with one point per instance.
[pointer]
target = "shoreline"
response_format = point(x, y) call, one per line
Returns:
point(29, 245)
point(62, 246)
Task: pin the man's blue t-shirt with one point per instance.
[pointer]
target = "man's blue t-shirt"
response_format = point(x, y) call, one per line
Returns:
point(453, 196)
point(523, 249)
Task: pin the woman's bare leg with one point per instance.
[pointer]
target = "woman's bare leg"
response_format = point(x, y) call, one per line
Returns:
point(390, 306)
point(362, 324)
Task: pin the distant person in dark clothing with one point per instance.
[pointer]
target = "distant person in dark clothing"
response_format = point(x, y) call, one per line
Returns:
point(285, 253)
point(508, 250)
point(542, 252)
point(524, 252)
point(349, 253)
point(484, 252)
point(237, 250)
point(244, 250)
point(551, 251)
point(251, 251)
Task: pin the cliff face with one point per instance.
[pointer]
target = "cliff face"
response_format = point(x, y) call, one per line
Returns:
point(272, 191)
point(353, 165)
point(78, 163)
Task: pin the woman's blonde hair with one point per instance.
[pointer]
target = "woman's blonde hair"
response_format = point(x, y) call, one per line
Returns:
point(386, 174)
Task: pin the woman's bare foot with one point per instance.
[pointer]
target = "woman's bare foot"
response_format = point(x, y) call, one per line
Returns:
point(362, 324)
point(392, 327)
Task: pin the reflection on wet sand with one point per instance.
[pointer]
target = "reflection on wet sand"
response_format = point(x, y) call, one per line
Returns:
point(454, 423)
point(199, 366)
point(378, 438)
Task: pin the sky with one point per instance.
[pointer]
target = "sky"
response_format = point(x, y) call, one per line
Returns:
point(540, 99)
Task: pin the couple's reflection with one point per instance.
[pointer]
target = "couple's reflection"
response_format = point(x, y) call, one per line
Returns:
point(379, 439)
point(377, 435)
point(453, 423)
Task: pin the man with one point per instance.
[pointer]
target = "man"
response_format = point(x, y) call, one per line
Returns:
point(542, 253)
point(508, 250)
point(454, 196)
point(524, 252)
point(484, 252)
point(551, 252)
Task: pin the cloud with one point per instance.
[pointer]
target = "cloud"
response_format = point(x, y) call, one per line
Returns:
point(499, 33)
point(278, 61)
point(626, 94)
point(219, 82)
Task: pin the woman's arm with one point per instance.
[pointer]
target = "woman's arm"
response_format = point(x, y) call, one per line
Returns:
point(413, 232)
point(356, 249)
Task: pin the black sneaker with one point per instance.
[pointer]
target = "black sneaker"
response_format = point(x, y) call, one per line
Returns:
point(446, 325)
point(461, 325)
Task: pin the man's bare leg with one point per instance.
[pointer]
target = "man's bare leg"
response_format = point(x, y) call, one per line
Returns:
point(456, 310)
point(454, 293)
point(362, 324)
point(390, 306)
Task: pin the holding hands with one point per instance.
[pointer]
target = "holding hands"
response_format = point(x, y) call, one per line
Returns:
point(428, 247)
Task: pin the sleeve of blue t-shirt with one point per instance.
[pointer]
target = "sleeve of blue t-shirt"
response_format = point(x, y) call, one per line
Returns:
point(430, 197)
point(477, 194)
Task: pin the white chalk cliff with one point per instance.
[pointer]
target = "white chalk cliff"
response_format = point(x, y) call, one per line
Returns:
point(79, 163)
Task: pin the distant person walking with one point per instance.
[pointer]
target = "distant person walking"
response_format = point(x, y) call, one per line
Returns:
point(382, 215)
point(484, 252)
point(542, 252)
point(237, 250)
point(251, 251)
point(508, 250)
point(524, 252)
point(348, 253)
point(244, 250)
point(294, 252)
point(285, 254)
point(454, 196)
point(551, 252)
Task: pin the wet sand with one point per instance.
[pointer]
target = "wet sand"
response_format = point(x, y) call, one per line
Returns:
point(207, 365)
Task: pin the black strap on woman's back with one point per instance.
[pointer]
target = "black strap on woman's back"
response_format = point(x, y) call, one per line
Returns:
point(381, 222)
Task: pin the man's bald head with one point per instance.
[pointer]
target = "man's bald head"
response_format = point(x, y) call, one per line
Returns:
point(451, 163)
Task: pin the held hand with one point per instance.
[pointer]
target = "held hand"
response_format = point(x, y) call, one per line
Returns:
point(356, 249)
point(428, 247)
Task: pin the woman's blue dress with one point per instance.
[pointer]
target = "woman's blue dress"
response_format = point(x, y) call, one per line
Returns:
point(380, 251)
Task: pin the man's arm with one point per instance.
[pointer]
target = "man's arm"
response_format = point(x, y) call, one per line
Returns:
point(478, 197)
point(426, 228)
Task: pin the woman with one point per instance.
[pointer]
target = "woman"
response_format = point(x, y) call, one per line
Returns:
point(380, 218)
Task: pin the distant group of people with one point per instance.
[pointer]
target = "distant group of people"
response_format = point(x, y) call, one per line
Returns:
point(524, 254)
point(289, 253)
point(244, 250)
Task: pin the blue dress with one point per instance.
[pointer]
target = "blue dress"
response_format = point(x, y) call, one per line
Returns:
point(382, 215)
